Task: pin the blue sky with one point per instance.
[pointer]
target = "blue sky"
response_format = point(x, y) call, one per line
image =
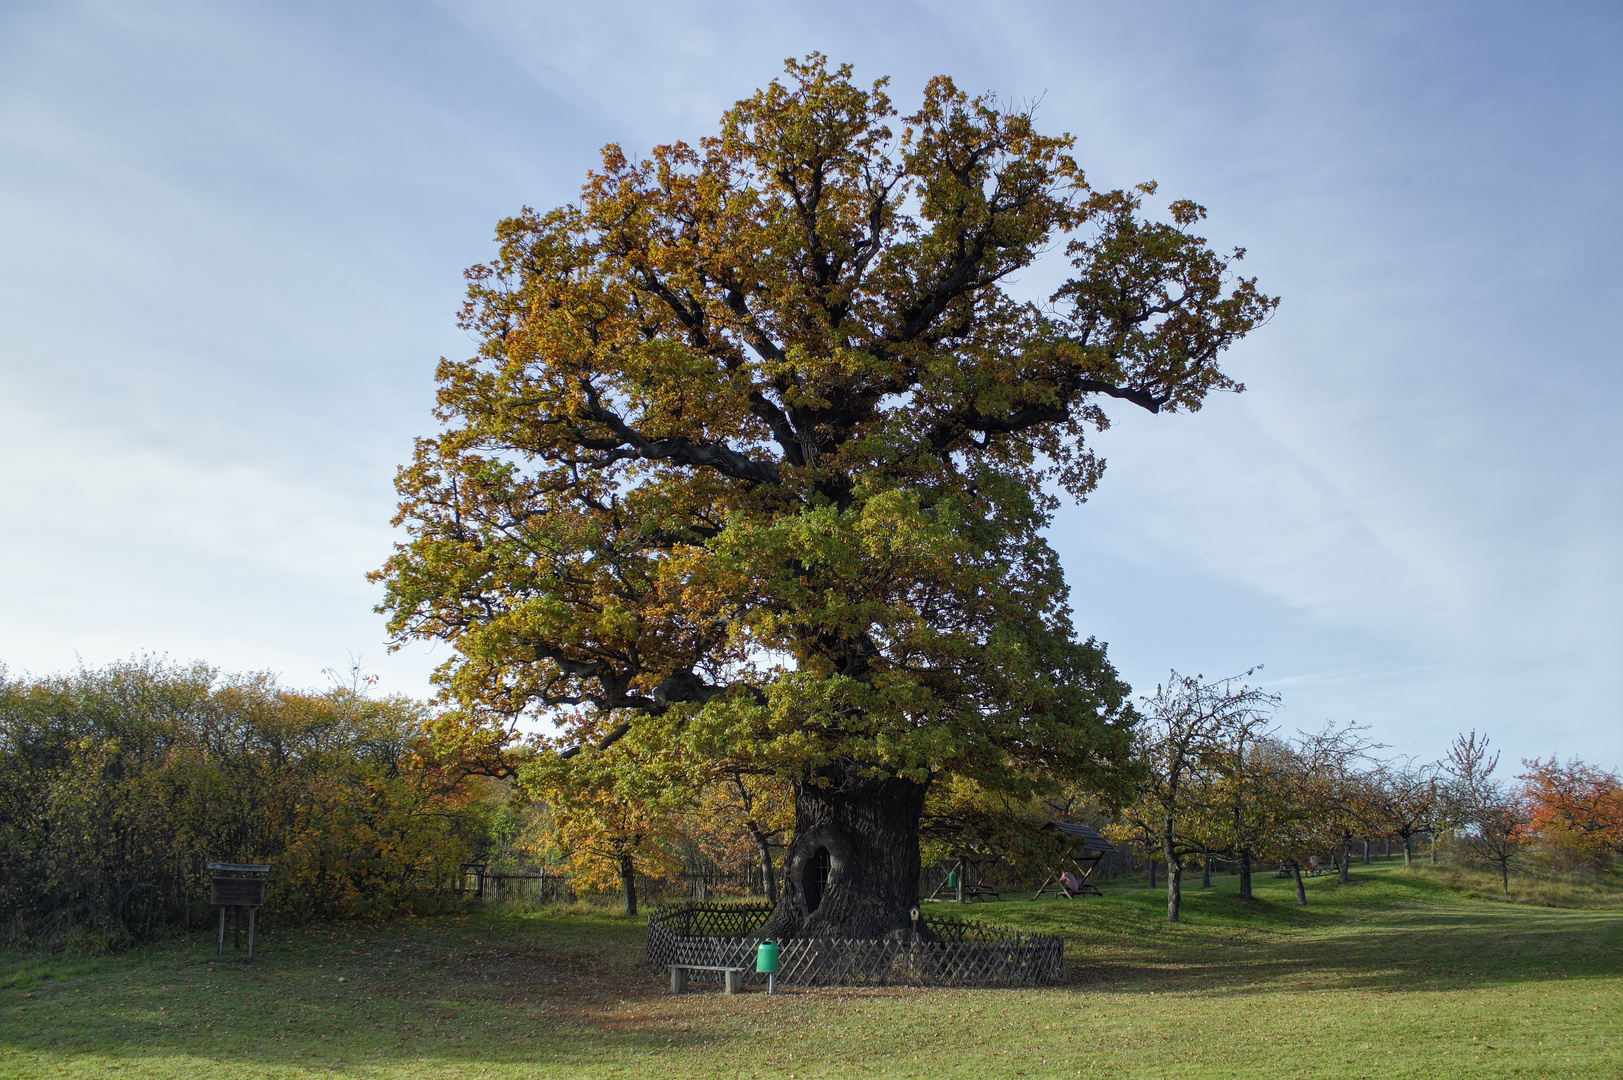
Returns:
point(232, 237)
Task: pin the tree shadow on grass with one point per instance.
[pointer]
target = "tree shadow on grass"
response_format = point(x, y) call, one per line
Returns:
point(359, 997)
point(578, 994)
point(1396, 936)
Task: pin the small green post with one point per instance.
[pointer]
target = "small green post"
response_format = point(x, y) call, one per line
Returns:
point(766, 963)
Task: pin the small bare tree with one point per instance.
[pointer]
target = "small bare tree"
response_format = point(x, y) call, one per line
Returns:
point(1491, 816)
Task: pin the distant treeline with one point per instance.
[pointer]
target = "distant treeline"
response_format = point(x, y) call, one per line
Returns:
point(119, 785)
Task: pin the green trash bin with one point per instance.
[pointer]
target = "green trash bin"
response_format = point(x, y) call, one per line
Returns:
point(766, 963)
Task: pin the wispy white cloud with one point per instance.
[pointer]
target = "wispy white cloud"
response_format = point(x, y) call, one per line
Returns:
point(230, 241)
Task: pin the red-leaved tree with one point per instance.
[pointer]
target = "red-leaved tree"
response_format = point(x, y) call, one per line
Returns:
point(1576, 809)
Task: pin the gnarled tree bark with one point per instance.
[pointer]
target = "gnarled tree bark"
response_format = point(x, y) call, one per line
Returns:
point(852, 870)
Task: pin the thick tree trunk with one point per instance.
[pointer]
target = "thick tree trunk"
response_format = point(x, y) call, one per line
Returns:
point(1245, 874)
point(1205, 870)
point(1504, 875)
point(1366, 851)
point(1346, 862)
point(1434, 849)
point(1301, 890)
point(1152, 871)
point(768, 875)
point(1407, 844)
point(852, 870)
point(628, 883)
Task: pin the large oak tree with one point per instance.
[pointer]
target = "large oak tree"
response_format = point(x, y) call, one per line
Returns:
point(748, 469)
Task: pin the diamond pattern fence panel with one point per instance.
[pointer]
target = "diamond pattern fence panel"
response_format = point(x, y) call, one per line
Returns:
point(965, 953)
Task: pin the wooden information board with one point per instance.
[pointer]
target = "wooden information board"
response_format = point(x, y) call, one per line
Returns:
point(236, 886)
point(237, 892)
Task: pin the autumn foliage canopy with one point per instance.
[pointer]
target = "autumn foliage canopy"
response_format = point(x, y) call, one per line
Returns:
point(751, 465)
point(1576, 809)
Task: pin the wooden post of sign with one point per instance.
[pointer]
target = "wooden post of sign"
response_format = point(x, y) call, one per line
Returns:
point(237, 886)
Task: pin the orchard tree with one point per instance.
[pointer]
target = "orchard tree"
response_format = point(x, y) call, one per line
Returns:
point(1189, 727)
point(1363, 812)
point(754, 456)
point(1316, 791)
point(1407, 799)
point(1575, 808)
point(1493, 816)
point(1246, 785)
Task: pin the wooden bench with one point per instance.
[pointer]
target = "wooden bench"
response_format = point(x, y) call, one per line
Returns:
point(732, 977)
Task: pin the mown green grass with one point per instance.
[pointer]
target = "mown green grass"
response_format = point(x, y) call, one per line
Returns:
point(1532, 885)
point(1392, 975)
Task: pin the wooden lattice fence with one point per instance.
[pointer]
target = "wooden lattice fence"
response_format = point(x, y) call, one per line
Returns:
point(964, 952)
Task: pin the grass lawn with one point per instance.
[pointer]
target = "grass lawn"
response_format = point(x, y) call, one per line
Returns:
point(1392, 975)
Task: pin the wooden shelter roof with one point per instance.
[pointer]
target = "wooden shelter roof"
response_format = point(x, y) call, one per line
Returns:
point(1092, 839)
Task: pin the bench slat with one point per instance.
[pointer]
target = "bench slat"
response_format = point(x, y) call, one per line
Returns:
point(705, 967)
point(733, 976)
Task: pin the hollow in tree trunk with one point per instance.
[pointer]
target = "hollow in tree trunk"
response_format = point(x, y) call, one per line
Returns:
point(1301, 890)
point(852, 870)
point(1245, 874)
point(628, 883)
